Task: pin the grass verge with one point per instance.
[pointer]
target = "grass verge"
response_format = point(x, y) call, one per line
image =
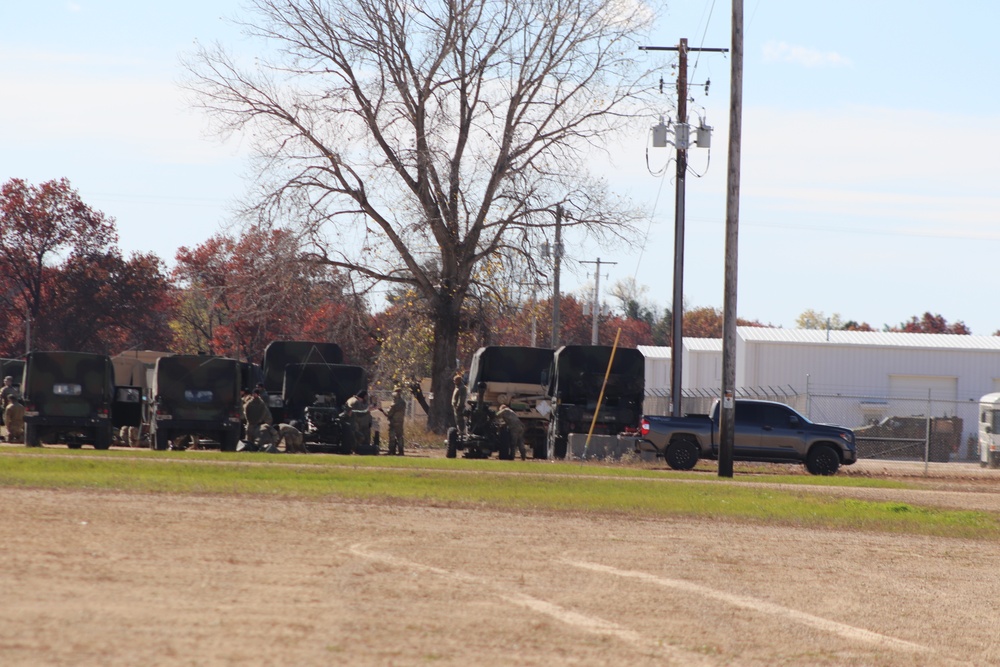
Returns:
point(488, 484)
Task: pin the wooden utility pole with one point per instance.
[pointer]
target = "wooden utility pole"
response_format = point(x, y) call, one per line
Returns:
point(727, 409)
point(556, 260)
point(597, 299)
point(681, 141)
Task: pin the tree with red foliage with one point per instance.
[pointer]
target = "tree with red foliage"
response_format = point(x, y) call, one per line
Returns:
point(932, 324)
point(37, 225)
point(101, 302)
point(239, 294)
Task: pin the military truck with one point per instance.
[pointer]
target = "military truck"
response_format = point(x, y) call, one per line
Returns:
point(575, 380)
point(279, 354)
point(512, 375)
point(69, 397)
point(196, 395)
point(313, 396)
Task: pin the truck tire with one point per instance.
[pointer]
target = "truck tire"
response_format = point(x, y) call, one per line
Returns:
point(992, 461)
point(452, 443)
point(32, 438)
point(556, 444)
point(823, 460)
point(162, 439)
point(681, 454)
point(505, 449)
point(102, 437)
point(229, 441)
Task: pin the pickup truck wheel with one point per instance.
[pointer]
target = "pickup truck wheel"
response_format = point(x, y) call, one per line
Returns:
point(822, 460)
point(682, 455)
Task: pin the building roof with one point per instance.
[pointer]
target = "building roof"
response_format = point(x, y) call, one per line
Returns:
point(868, 338)
point(654, 351)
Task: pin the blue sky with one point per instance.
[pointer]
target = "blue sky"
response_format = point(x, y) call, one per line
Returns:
point(871, 135)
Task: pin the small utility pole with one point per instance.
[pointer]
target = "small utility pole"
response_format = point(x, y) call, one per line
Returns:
point(597, 299)
point(727, 410)
point(556, 260)
point(681, 137)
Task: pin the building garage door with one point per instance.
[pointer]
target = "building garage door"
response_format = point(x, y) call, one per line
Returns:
point(920, 394)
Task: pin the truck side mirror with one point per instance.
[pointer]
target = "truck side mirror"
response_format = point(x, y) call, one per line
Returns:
point(989, 429)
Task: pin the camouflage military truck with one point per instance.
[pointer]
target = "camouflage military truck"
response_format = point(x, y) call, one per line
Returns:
point(69, 397)
point(574, 382)
point(196, 395)
point(512, 375)
point(906, 438)
point(313, 396)
point(278, 354)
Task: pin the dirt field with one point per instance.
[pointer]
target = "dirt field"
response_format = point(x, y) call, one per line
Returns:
point(122, 579)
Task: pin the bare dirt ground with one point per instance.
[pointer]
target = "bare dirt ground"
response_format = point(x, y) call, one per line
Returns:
point(98, 578)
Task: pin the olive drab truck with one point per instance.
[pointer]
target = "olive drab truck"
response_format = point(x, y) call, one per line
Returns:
point(196, 395)
point(575, 382)
point(989, 430)
point(69, 397)
point(279, 354)
point(512, 375)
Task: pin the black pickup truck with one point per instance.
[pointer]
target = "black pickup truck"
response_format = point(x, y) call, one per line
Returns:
point(764, 431)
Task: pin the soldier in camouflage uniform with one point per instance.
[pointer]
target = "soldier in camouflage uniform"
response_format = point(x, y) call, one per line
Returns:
point(361, 418)
point(514, 426)
point(459, 398)
point(255, 413)
point(396, 415)
point(13, 417)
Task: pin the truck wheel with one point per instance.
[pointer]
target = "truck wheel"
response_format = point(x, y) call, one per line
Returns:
point(102, 437)
point(162, 440)
point(681, 455)
point(822, 460)
point(505, 449)
point(31, 436)
point(229, 441)
point(992, 461)
point(452, 443)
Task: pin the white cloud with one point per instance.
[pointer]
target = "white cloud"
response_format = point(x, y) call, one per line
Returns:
point(776, 51)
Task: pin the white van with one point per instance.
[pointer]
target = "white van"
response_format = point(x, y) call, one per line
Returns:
point(989, 430)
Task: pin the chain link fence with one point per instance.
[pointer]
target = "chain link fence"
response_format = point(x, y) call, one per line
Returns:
point(900, 428)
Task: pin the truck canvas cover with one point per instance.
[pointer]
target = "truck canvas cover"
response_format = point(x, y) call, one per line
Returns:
point(278, 354)
point(197, 387)
point(514, 364)
point(303, 381)
point(578, 372)
point(68, 384)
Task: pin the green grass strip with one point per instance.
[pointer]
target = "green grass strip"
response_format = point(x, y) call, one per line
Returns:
point(488, 484)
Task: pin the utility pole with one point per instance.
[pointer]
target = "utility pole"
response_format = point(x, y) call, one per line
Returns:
point(727, 409)
point(681, 136)
point(557, 259)
point(597, 299)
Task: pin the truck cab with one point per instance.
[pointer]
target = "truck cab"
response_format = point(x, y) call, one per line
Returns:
point(989, 430)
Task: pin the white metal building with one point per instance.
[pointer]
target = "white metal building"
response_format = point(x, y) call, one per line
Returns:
point(851, 377)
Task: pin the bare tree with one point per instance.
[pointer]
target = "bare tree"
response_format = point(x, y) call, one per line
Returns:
point(409, 142)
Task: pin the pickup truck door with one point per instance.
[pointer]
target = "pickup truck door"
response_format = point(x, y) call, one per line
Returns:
point(782, 433)
point(746, 431)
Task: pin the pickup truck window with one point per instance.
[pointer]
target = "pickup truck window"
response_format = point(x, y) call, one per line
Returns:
point(747, 413)
point(778, 416)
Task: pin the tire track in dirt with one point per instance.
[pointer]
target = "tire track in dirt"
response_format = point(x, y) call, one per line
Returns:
point(849, 632)
point(577, 620)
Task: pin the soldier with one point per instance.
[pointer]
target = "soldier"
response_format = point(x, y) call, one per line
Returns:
point(8, 389)
point(459, 398)
point(255, 413)
point(396, 415)
point(357, 407)
point(13, 416)
point(291, 437)
point(514, 427)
